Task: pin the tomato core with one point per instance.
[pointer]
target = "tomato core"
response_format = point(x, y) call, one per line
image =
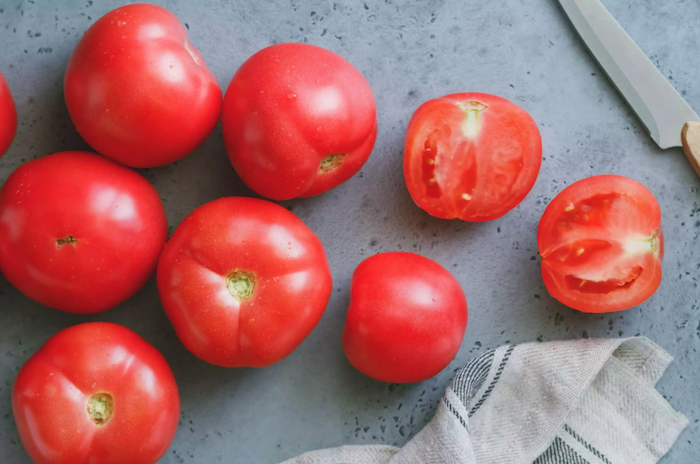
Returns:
point(240, 284)
point(100, 407)
point(331, 162)
point(67, 240)
point(471, 126)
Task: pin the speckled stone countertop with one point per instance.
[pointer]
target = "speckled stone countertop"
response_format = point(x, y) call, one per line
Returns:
point(525, 51)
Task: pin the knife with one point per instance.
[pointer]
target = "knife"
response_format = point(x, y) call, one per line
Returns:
point(671, 122)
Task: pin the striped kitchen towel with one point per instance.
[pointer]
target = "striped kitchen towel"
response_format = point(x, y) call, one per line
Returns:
point(587, 401)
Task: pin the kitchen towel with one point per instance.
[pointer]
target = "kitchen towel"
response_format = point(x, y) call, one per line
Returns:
point(588, 401)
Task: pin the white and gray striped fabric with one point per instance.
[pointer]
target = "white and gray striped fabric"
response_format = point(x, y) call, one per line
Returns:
point(587, 401)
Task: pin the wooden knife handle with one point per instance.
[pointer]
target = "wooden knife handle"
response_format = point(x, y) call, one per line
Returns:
point(690, 136)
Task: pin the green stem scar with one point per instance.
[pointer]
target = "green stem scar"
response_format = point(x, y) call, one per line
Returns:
point(645, 245)
point(331, 162)
point(67, 240)
point(240, 284)
point(100, 407)
point(471, 124)
point(656, 243)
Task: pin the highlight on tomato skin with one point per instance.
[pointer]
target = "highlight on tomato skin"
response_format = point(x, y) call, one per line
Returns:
point(601, 244)
point(471, 156)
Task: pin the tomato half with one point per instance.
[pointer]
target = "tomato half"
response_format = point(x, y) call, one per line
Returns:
point(8, 116)
point(406, 319)
point(79, 232)
point(243, 282)
point(298, 120)
point(96, 393)
point(138, 91)
point(471, 156)
point(601, 244)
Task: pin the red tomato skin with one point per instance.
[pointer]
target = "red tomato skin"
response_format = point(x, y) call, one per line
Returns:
point(138, 92)
point(287, 108)
point(406, 319)
point(8, 116)
point(477, 177)
point(115, 214)
point(292, 282)
point(51, 391)
point(633, 219)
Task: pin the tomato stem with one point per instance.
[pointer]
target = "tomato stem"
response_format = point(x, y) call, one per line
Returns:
point(240, 284)
point(100, 407)
point(655, 243)
point(331, 162)
point(67, 240)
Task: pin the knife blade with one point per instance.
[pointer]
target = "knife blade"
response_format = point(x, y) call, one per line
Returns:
point(659, 106)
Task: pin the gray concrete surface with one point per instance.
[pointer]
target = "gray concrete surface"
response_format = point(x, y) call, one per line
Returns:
point(410, 52)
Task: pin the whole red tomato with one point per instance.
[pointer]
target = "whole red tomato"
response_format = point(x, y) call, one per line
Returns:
point(243, 282)
point(8, 116)
point(298, 120)
point(601, 244)
point(138, 91)
point(471, 156)
point(79, 232)
point(406, 320)
point(96, 393)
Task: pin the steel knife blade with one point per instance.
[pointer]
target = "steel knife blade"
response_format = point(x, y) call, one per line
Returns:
point(659, 106)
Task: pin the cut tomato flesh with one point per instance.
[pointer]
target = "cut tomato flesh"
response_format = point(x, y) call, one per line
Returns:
point(601, 244)
point(605, 286)
point(578, 253)
point(471, 156)
point(432, 187)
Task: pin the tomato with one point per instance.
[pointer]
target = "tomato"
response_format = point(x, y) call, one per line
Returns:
point(138, 91)
point(298, 120)
point(243, 282)
point(78, 232)
point(406, 319)
point(8, 116)
point(96, 393)
point(601, 244)
point(471, 156)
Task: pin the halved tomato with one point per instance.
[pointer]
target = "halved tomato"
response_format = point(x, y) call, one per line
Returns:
point(601, 244)
point(471, 156)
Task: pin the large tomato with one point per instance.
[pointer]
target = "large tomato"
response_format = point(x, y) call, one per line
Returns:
point(8, 116)
point(79, 232)
point(96, 393)
point(298, 120)
point(406, 320)
point(601, 244)
point(138, 91)
point(471, 156)
point(243, 281)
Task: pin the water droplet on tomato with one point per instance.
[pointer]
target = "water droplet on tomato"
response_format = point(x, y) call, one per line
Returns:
point(291, 95)
point(121, 23)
